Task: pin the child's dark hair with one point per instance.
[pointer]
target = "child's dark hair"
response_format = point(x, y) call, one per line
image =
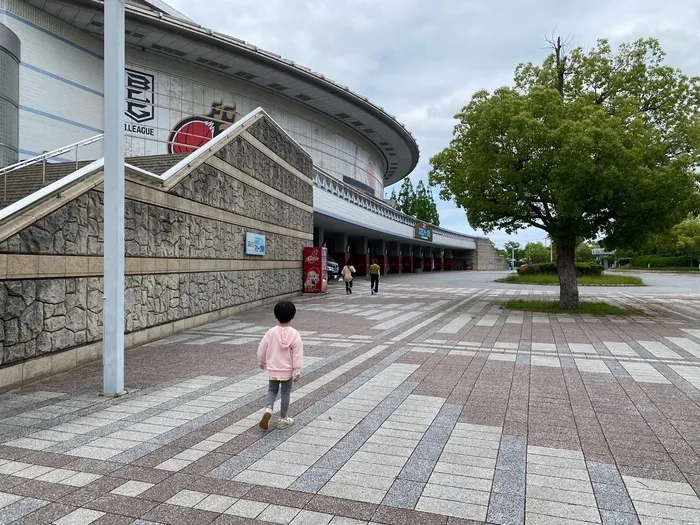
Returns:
point(285, 311)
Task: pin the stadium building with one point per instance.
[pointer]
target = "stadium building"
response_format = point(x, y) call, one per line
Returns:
point(186, 84)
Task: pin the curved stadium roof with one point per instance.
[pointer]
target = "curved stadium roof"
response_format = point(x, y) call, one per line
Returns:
point(157, 28)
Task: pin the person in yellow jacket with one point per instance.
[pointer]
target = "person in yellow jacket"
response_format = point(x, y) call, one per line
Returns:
point(374, 271)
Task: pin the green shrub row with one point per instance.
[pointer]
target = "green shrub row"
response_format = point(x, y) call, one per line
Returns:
point(551, 269)
point(659, 261)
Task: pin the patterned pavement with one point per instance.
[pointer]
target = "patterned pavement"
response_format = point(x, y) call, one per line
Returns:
point(427, 404)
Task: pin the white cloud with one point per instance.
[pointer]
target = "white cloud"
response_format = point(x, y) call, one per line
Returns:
point(422, 61)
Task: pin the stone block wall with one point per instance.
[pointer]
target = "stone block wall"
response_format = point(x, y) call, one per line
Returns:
point(487, 257)
point(185, 254)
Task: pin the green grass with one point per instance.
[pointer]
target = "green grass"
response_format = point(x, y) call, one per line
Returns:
point(552, 307)
point(586, 280)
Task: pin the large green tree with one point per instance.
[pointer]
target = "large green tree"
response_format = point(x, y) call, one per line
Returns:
point(584, 253)
point(687, 238)
point(406, 197)
point(536, 252)
point(588, 144)
point(418, 203)
point(424, 207)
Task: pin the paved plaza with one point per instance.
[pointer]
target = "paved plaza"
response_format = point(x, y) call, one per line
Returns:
point(426, 404)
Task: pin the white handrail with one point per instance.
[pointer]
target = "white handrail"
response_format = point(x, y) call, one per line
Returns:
point(43, 158)
point(50, 154)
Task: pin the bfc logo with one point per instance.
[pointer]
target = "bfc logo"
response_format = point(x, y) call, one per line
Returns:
point(192, 133)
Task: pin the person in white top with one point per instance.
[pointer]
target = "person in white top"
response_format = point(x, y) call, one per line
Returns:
point(346, 275)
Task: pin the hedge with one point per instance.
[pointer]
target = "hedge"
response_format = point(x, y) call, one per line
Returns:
point(658, 261)
point(551, 269)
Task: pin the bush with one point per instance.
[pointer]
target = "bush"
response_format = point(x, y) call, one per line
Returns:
point(551, 269)
point(658, 261)
point(589, 269)
point(624, 261)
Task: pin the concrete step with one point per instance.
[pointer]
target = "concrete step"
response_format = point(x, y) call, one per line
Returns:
point(27, 180)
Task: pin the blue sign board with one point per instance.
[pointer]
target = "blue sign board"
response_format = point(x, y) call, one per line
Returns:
point(254, 244)
point(423, 231)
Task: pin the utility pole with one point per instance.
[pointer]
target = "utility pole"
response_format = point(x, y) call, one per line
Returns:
point(551, 250)
point(113, 311)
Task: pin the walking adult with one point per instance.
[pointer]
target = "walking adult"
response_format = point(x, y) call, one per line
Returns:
point(346, 274)
point(374, 271)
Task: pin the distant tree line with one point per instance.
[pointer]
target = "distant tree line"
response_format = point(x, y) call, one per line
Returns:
point(418, 203)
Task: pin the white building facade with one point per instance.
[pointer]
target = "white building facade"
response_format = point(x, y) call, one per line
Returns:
point(186, 84)
point(61, 94)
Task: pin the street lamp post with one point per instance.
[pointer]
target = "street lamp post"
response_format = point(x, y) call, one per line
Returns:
point(551, 251)
point(113, 311)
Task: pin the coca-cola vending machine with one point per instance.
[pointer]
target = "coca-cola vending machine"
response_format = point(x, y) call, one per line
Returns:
point(315, 269)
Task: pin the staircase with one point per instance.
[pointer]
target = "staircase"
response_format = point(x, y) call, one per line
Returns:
point(157, 164)
point(25, 181)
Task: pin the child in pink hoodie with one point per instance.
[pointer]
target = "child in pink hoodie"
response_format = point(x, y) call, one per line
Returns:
point(281, 352)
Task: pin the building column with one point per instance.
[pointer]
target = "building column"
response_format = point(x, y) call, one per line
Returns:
point(417, 252)
point(394, 249)
point(427, 259)
point(380, 253)
point(406, 258)
point(342, 249)
point(362, 258)
point(437, 259)
point(321, 236)
point(449, 262)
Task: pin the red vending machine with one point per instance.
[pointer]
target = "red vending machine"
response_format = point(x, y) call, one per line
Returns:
point(315, 269)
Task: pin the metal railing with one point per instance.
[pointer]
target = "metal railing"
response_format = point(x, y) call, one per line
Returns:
point(322, 179)
point(326, 182)
point(44, 157)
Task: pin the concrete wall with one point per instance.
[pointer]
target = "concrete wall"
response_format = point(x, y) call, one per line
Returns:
point(185, 255)
point(487, 257)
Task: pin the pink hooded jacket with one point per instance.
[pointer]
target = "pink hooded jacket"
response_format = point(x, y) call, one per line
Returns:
point(281, 352)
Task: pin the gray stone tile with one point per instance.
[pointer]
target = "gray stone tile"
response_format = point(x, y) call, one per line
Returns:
point(612, 497)
point(313, 480)
point(610, 517)
point(448, 415)
point(567, 362)
point(417, 469)
point(354, 440)
point(604, 473)
point(509, 482)
point(506, 509)
point(335, 458)
point(512, 454)
point(437, 435)
point(20, 509)
point(618, 370)
point(231, 468)
point(131, 455)
point(522, 359)
point(428, 451)
point(403, 494)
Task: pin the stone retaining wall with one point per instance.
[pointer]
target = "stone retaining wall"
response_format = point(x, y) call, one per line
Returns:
point(184, 248)
point(487, 258)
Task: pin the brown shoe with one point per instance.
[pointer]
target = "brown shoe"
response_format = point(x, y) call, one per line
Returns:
point(265, 421)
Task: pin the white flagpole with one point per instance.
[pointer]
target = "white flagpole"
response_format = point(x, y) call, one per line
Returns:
point(113, 312)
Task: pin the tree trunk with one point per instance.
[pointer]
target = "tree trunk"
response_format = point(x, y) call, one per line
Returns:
point(566, 266)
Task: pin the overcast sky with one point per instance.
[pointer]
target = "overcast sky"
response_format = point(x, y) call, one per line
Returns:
point(423, 59)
